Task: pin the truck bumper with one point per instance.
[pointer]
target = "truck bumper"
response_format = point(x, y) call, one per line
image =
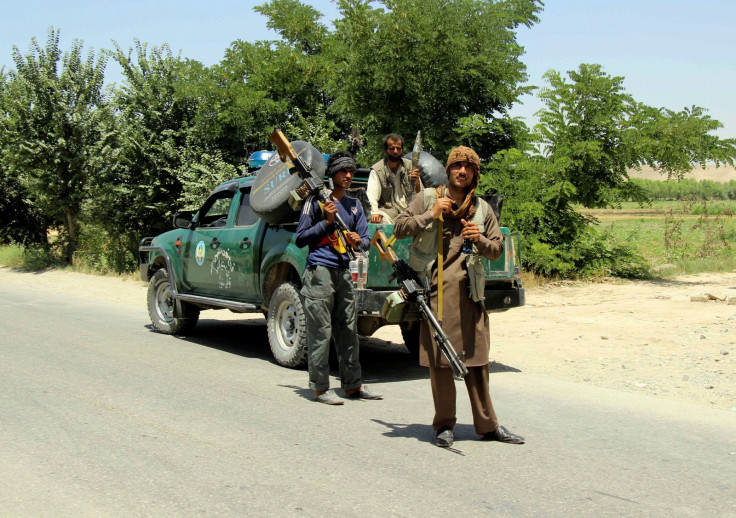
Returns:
point(144, 247)
point(369, 302)
point(501, 300)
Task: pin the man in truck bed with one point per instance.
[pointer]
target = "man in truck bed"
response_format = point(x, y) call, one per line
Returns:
point(329, 300)
point(391, 183)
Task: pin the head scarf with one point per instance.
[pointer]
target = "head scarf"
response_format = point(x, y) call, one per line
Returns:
point(465, 154)
point(344, 162)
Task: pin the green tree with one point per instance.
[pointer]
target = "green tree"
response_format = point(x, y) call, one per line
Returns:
point(593, 132)
point(149, 146)
point(54, 125)
point(401, 66)
point(590, 134)
point(674, 141)
point(20, 221)
point(423, 65)
point(272, 83)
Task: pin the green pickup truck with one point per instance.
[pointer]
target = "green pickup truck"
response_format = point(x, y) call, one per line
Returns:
point(224, 256)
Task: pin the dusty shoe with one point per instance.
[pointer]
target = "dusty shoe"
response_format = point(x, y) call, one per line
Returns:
point(328, 398)
point(444, 438)
point(503, 435)
point(363, 393)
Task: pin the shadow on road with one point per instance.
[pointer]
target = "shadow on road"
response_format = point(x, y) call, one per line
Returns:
point(246, 338)
point(424, 432)
point(382, 361)
point(388, 362)
point(500, 367)
point(302, 392)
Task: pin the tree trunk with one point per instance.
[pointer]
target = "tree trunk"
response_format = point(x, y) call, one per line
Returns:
point(72, 235)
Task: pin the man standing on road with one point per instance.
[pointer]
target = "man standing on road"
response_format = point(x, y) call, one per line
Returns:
point(465, 320)
point(329, 301)
point(391, 183)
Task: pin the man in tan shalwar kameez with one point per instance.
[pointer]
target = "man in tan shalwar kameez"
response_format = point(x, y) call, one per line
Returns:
point(464, 321)
point(392, 182)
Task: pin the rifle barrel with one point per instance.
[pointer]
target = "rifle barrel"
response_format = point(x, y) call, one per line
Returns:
point(443, 342)
point(413, 292)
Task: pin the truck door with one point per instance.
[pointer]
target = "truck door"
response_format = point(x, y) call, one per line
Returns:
point(238, 262)
point(208, 266)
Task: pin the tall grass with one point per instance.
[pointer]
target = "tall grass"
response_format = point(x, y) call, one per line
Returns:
point(36, 258)
point(677, 237)
point(11, 256)
point(30, 258)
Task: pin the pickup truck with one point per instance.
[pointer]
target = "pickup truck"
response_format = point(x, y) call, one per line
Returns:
point(223, 256)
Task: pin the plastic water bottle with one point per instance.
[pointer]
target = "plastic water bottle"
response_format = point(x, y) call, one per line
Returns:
point(354, 272)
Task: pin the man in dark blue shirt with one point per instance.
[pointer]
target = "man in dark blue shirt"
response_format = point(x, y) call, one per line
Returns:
point(327, 288)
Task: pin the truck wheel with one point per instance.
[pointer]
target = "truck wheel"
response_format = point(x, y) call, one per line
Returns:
point(410, 334)
point(168, 315)
point(287, 332)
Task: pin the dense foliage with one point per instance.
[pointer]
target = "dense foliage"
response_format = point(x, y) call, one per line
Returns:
point(591, 132)
point(152, 160)
point(95, 169)
point(52, 126)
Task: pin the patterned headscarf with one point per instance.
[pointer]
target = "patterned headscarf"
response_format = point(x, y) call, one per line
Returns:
point(345, 162)
point(465, 154)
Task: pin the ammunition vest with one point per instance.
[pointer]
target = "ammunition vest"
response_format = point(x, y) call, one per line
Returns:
point(388, 197)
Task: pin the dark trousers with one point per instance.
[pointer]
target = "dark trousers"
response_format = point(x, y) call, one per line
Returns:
point(444, 394)
point(329, 307)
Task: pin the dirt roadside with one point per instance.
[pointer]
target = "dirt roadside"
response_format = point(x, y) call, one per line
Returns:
point(646, 336)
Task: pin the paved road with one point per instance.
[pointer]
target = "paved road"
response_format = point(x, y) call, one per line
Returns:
point(101, 416)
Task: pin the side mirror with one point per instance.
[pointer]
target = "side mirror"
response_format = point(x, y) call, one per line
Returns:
point(183, 218)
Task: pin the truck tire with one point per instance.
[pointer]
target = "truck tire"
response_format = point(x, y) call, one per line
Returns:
point(271, 192)
point(168, 315)
point(286, 323)
point(410, 334)
point(431, 171)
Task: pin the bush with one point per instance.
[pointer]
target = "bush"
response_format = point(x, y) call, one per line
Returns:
point(98, 252)
point(596, 253)
point(712, 209)
point(31, 258)
point(35, 259)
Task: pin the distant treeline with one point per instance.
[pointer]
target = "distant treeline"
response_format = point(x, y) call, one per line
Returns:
point(687, 188)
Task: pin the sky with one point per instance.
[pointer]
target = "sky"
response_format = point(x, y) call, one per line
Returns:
point(672, 53)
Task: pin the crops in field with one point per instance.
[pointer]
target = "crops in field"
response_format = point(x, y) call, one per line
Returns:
point(686, 236)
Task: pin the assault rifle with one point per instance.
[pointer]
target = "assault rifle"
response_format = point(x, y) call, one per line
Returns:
point(313, 184)
point(413, 292)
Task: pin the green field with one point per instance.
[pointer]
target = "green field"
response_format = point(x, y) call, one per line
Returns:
point(676, 236)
